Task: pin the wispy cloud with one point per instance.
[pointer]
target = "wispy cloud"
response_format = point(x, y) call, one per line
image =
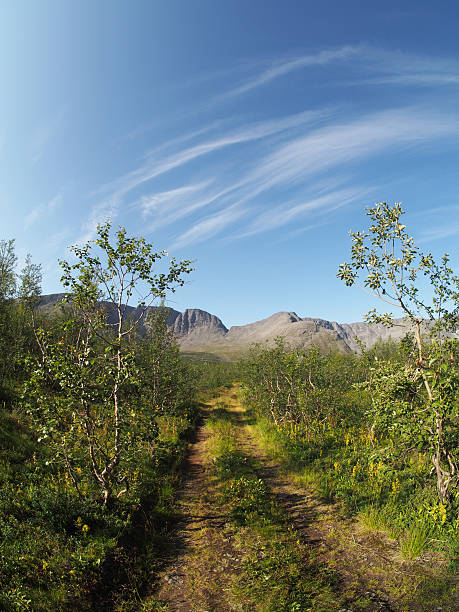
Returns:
point(279, 216)
point(100, 213)
point(299, 157)
point(156, 166)
point(326, 149)
point(381, 66)
point(42, 210)
point(303, 230)
point(167, 207)
point(178, 210)
point(366, 64)
point(210, 226)
point(436, 210)
point(282, 68)
point(343, 143)
point(292, 162)
point(56, 240)
point(440, 232)
point(149, 126)
point(247, 133)
point(157, 202)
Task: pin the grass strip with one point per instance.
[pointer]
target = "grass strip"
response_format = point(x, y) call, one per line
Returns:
point(278, 572)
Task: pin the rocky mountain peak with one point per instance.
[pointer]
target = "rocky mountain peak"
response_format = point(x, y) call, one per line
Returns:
point(193, 318)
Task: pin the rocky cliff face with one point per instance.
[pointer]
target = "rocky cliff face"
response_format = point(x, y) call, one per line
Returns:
point(296, 331)
point(195, 327)
point(264, 329)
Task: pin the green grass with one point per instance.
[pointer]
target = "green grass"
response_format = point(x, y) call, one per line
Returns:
point(220, 431)
point(416, 540)
point(363, 482)
point(201, 356)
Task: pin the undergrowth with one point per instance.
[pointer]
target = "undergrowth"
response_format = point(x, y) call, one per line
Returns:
point(60, 551)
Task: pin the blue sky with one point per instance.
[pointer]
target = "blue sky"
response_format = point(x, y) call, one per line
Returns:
point(248, 136)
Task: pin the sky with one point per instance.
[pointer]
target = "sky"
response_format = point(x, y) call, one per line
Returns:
point(246, 136)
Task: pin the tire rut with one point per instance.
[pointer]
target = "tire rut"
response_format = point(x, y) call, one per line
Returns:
point(200, 554)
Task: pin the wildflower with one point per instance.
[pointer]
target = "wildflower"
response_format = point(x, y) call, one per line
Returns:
point(371, 469)
point(438, 512)
point(395, 487)
point(354, 470)
point(85, 529)
point(442, 513)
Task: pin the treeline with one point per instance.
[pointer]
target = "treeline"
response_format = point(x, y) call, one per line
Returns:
point(95, 420)
point(19, 292)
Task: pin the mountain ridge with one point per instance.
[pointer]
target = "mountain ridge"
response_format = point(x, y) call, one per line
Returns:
point(198, 331)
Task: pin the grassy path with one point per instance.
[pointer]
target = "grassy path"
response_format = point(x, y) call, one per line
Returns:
point(201, 555)
point(251, 538)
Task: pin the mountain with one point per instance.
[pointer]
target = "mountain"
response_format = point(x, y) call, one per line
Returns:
point(209, 334)
point(303, 332)
point(198, 331)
